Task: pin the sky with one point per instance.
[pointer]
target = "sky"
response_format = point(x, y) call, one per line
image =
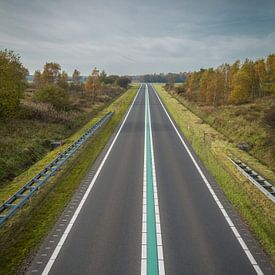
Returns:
point(137, 36)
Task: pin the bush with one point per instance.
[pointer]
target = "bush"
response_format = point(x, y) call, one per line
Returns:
point(123, 81)
point(53, 95)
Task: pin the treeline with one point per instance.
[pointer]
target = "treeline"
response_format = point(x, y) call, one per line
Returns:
point(161, 78)
point(50, 86)
point(231, 84)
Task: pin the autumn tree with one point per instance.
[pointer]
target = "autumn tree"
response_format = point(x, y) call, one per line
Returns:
point(12, 82)
point(76, 84)
point(261, 76)
point(51, 73)
point(63, 81)
point(37, 79)
point(224, 70)
point(192, 84)
point(270, 69)
point(241, 85)
point(233, 70)
point(204, 85)
point(92, 84)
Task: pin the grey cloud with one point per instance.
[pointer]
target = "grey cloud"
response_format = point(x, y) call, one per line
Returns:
point(128, 37)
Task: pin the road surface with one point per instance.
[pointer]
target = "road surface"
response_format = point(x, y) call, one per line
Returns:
point(148, 206)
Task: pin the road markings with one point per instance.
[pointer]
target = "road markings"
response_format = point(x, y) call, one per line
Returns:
point(72, 221)
point(152, 251)
point(227, 218)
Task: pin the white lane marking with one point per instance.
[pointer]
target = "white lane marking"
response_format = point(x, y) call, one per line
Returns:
point(157, 215)
point(68, 228)
point(231, 224)
point(144, 201)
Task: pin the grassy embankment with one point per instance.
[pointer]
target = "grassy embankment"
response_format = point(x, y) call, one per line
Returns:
point(22, 234)
point(26, 137)
point(241, 123)
point(213, 149)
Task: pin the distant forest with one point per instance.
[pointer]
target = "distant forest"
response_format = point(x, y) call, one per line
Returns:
point(160, 78)
point(230, 84)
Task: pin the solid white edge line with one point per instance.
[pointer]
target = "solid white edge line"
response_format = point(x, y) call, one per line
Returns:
point(144, 204)
point(233, 228)
point(69, 227)
point(157, 215)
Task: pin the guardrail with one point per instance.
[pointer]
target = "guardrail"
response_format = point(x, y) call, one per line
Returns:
point(262, 184)
point(9, 207)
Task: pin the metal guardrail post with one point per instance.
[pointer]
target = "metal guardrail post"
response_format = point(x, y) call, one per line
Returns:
point(262, 184)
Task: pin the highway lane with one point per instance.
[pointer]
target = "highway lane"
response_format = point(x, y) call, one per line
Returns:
point(148, 182)
point(196, 237)
point(105, 238)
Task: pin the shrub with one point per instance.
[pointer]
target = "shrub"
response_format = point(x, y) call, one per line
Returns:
point(123, 81)
point(53, 95)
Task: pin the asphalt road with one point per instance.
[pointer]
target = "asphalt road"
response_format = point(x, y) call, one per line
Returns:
point(106, 236)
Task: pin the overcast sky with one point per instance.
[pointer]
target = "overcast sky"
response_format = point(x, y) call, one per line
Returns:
point(137, 36)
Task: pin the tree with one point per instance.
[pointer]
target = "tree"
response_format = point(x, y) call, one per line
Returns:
point(103, 77)
point(76, 81)
point(248, 68)
point(233, 70)
point(211, 87)
point(63, 81)
point(260, 73)
point(241, 85)
point(76, 77)
point(12, 82)
point(123, 81)
point(192, 84)
point(37, 79)
point(224, 72)
point(111, 79)
point(53, 95)
point(92, 84)
point(170, 81)
point(204, 86)
point(51, 73)
point(270, 68)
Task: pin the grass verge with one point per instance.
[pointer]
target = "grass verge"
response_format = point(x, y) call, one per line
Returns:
point(213, 148)
point(23, 233)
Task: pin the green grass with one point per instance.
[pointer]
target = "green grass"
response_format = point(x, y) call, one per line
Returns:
point(23, 233)
point(26, 138)
point(213, 149)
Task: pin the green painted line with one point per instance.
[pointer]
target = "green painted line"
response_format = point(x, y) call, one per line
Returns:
point(152, 256)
